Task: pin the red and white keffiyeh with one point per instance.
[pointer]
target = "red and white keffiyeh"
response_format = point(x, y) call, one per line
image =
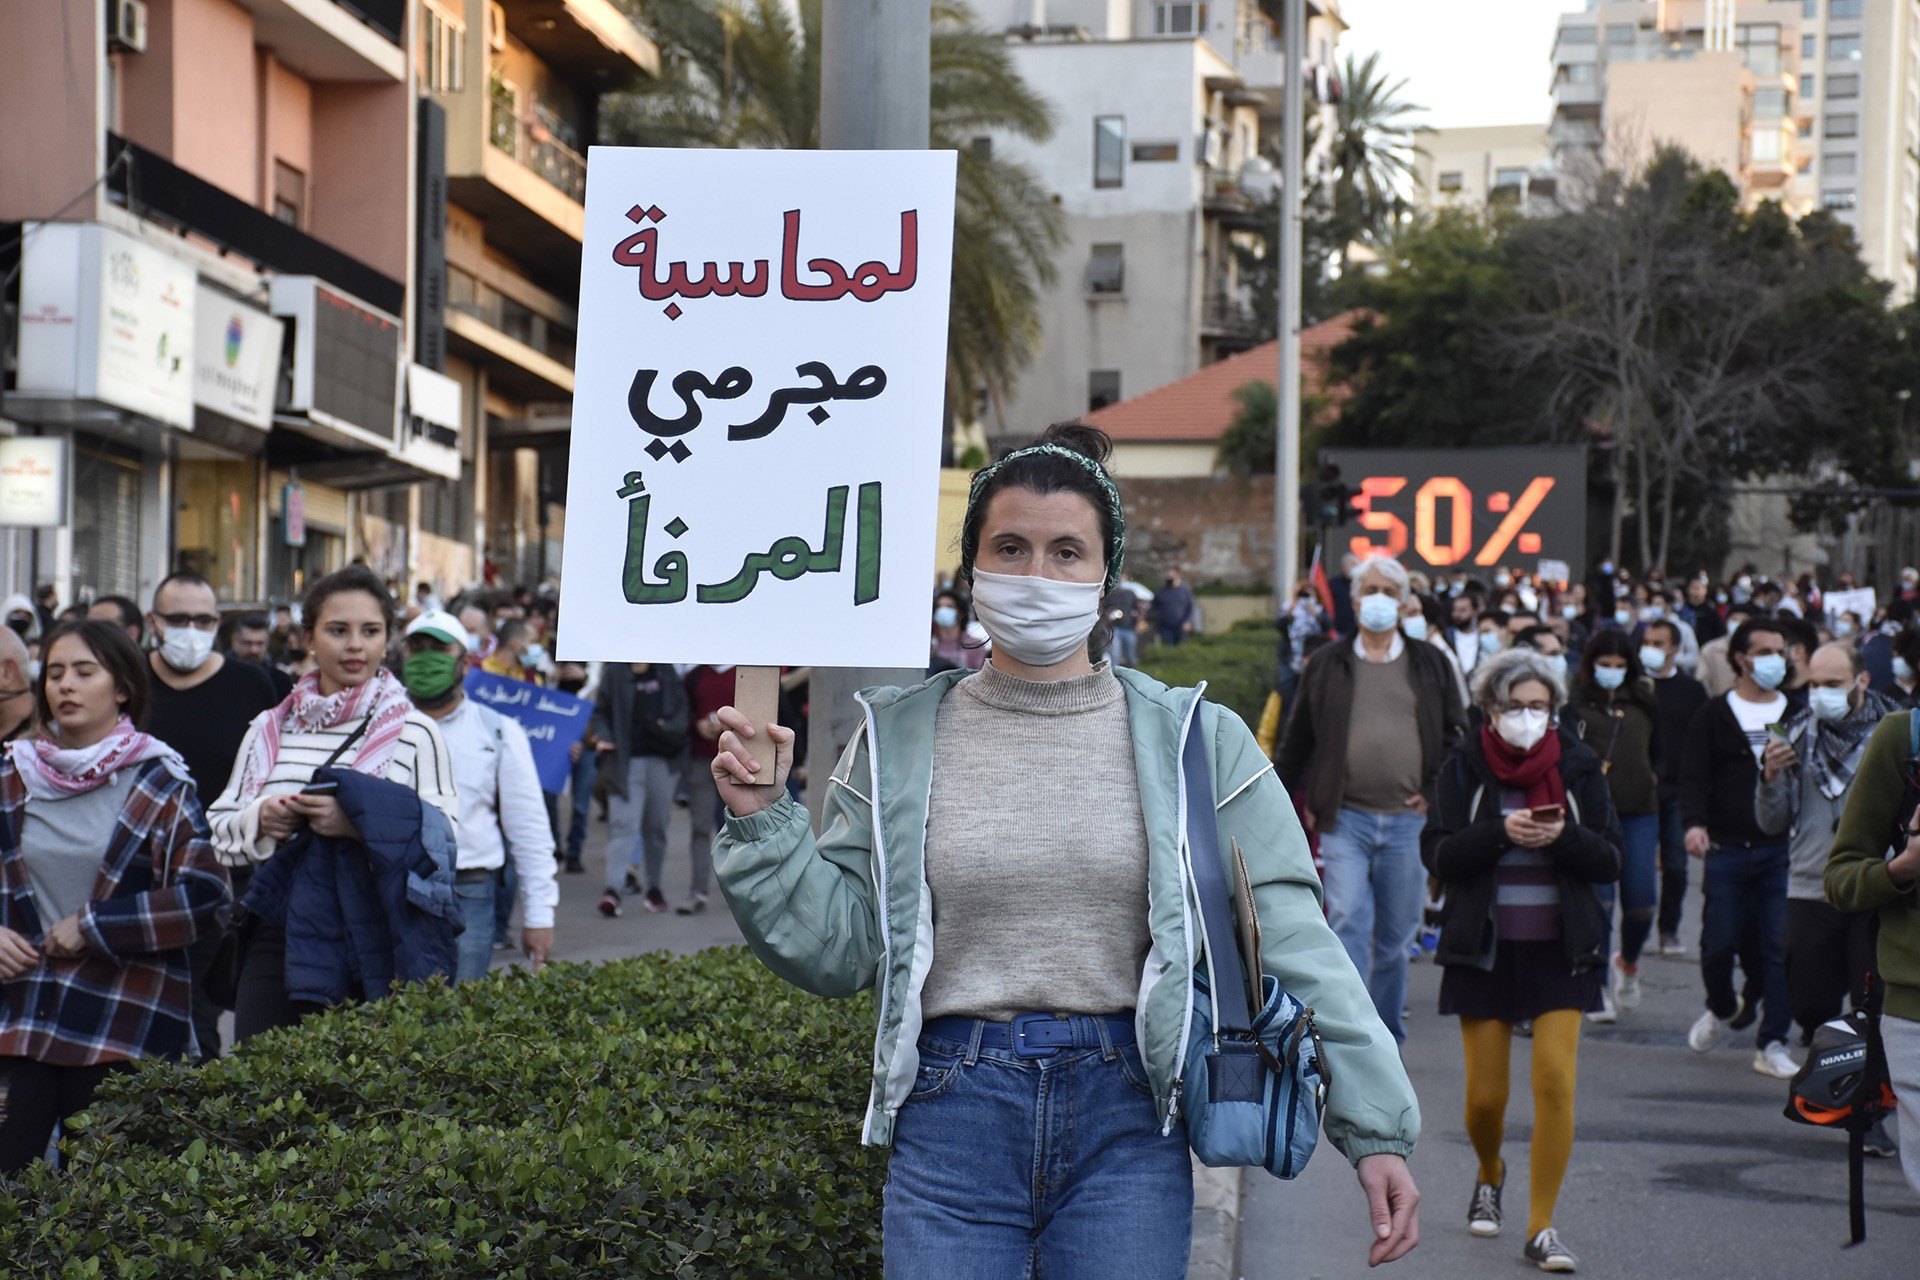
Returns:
point(53, 772)
point(382, 700)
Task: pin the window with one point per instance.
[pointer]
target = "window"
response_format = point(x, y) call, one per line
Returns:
point(1843, 126)
point(1837, 199)
point(443, 49)
point(1103, 388)
point(289, 193)
point(1810, 8)
point(1766, 146)
point(1808, 83)
point(1809, 47)
point(1179, 19)
point(1109, 150)
point(1844, 9)
point(1843, 87)
point(1153, 152)
point(1618, 35)
point(1769, 104)
point(1839, 166)
point(1576, 35)
point(1759, 47)
point(1107, 269)
point(1843, 47)
point(1515, 176)
point(1450, 180)
point(1578, 73)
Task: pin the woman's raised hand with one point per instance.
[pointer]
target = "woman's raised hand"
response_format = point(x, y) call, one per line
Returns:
point(734, 771)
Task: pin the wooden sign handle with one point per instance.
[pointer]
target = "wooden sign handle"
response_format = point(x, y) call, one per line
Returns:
point(756, 695)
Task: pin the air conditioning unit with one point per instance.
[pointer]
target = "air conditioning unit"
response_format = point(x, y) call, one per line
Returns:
point(496, 26)
point(127, 26)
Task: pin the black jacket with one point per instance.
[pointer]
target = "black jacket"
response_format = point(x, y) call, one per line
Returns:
point(1312, 755)
point(1680, 697)
point(1466, 836)
point(649, 721)
point(1718, 776)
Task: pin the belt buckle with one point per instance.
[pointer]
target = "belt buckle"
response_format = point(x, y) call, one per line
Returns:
point(1021, 1048)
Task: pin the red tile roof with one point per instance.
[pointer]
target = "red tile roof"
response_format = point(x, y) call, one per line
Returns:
point(1199, 407)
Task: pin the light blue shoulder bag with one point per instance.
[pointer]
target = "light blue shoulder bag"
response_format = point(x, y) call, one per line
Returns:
point(1253, 1084)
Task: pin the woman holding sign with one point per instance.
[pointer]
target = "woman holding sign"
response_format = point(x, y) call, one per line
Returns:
point(1002, 857)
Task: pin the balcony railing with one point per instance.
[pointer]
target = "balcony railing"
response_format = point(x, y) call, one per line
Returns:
point(531, 141)
point(1229, 315)
point(467, 294)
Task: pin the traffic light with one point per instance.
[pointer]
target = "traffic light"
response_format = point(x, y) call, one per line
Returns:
point(1334, 502)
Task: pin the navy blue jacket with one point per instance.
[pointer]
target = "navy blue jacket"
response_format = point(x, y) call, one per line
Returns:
point(361, 915)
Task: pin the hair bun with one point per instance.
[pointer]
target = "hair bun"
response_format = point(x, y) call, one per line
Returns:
point(1089, 441)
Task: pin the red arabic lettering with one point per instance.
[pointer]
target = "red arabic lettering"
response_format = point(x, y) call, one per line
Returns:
point(867, 282)
point(639, 250)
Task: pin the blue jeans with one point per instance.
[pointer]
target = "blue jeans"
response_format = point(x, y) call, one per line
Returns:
point(1009, 1167)
point(506, 884)
point(1126, 647)
point(1639, 881)
point(476, 940)
point(1375, 890)
point(1746, 917)
point(1673, 867)
point(580, 794)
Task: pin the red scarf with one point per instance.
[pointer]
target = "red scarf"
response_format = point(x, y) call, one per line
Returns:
point(1535, 774)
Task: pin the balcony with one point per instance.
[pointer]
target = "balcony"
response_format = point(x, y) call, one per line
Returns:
point(323, 40)
point(507, 163)
point(528, 355)
point(530, 139)
point(583, 37)
point(1228, 318)
point(1225, 199)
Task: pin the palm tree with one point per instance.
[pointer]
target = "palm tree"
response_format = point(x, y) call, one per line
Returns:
point(746, 73)
point(1370, 154)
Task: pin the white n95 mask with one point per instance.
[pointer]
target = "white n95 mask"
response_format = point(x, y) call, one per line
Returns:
point(1035, 620)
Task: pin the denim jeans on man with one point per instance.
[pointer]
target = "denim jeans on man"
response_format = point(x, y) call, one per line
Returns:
point(1005, 1167)
point(1376, 889)
point(1673, 867)
point(1639, 881)
point(580, 798)
point(476, 940)
point(1746, 917)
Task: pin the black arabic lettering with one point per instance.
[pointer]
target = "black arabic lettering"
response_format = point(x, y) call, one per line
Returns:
point(732, 383)
point(867, 382)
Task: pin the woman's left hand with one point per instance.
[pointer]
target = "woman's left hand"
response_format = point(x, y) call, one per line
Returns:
point(324, 815)
point(65, 941)
point(1393, 1206)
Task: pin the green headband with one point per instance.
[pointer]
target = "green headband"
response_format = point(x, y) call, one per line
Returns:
point(1116, 544)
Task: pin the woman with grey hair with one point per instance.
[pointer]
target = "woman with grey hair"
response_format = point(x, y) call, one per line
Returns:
point(1521, 834)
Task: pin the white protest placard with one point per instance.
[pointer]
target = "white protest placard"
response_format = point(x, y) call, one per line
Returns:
point(758, 398)
point(1861, 603)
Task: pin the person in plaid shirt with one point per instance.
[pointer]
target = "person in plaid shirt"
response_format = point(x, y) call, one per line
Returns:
point(106, 878)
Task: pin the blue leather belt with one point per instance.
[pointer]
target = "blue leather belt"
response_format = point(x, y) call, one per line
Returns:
point(1036, 1035)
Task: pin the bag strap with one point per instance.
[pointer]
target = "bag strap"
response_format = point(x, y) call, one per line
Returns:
point(1232, 1012)
point(350, 740)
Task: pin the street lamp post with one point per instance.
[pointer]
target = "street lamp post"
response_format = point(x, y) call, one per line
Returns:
point(1286, 440)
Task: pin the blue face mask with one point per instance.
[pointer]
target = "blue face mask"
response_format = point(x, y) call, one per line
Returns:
point(1623, 617)
point(946, 616)
point(1609, 677)
point(1557, 663)
point(1379, 612)
point(1489, 642)
point(1653, 659)
point(1415, 627)
point(1770, 670)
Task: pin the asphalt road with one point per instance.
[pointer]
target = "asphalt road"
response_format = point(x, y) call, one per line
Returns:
point(1683, 1167)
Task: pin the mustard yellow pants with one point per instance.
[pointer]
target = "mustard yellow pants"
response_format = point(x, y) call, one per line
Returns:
point(1556, 1053)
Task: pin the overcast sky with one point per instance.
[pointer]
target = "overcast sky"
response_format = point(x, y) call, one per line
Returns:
point(1471, 62)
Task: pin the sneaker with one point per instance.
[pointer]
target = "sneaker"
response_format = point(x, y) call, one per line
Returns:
point(1774, 1060)
point(692, 906)
point(1547, 1253)
point(1483, 1211)
point(1879, 1142)
point(610, 903)
point(1708, 1033)
point(1606, 1014)
point(633, 884)
point(574, 867)
point(1626, 985)
point(1746, 1015)
point(501, 944)
point(656, 901)
point(1671, 947)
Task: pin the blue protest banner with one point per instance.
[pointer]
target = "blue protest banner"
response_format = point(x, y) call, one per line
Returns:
point(554, 721)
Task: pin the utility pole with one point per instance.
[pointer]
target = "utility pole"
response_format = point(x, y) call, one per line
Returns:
point(1286, 440)
point(876, 94)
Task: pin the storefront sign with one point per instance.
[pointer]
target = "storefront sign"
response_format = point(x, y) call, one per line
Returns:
point(432, 438)
point(293, 515)
point(755, 456)
point(554, 721)
point(33, 481)
point(106, 318)
point(236, 358)
point(346, 357)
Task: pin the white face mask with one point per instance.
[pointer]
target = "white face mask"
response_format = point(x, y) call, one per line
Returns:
point(1521, 730)
point(1830, 704)
point(1038, 621)
point(1378, 613)
point(185, 649)
point(1415, 627)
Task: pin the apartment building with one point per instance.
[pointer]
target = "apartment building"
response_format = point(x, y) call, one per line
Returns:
point(207, 208)
point(1161, 109)
point(1470, 168)
point(519, 83)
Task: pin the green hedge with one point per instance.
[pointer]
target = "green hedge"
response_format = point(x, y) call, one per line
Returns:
point(658, 1116)
point(1238, 665)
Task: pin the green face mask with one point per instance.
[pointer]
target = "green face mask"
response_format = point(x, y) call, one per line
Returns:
point(430, 674)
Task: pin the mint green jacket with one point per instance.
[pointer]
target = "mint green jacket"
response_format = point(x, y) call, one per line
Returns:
point(850, 909)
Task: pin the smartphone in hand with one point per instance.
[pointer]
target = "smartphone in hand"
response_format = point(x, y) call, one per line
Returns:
point(1547, 813)
point(320, 788)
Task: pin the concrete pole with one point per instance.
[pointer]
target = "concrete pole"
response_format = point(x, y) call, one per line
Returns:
point(1286, 442)
point(876, 92)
